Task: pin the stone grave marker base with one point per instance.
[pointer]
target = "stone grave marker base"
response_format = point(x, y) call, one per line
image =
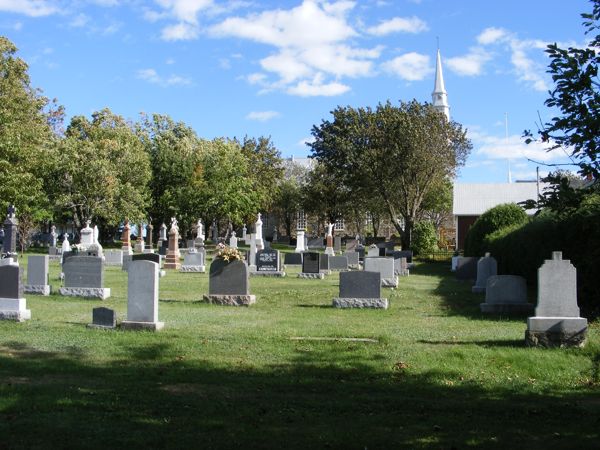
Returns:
point(101, 293)
point(389, 282)
point(556, 332)
point(14, 309)
point(137, 326)
point(192, 269)
point(376, 303)
point(506, 308)
point(320, 276)
point(43, 289)
point(265, 273)
point(230, 300)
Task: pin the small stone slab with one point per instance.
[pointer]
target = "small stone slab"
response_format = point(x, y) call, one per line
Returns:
point(14, 309)
point(101, 293)
point(319, 276)
point(373, 303)
point(230, 300)
point(103, 318)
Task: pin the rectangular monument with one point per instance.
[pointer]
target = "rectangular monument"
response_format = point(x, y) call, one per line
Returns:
point(385, 266)
point(13, 305)
point(311, 266)
point(37, 275)
point(84, 277)
point(142, 296)
point(360, 290)
point(229, 283)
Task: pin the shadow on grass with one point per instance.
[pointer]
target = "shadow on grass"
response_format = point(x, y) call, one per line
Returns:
point(509, 343)
point(456, 295)
point(329, 396)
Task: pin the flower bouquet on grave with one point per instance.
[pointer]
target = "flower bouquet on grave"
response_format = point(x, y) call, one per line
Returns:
point(228, 254)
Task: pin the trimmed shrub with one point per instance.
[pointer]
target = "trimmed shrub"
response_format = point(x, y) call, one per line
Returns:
point(522, 249)
point(424, 238)
point(494, 219)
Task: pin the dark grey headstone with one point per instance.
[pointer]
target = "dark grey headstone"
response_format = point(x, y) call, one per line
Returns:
point(352, 258)
point(84, 271)
point(104, 317)
point(228, 278)
point(293, 259)
point(324, 261)
point(339, 262)
point(37, 270)
point(152, 257)
point(317, 242)
point(162, 250)
point(10, 281)
point(408, 254)
point(310, 262)
point(337, 243)
point(267, 261)
point(360, 285)
point(382, 251)
point(361, 253)
point(466, 268)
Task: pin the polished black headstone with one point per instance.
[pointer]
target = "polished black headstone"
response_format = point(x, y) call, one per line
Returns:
point(293, 259)
point(104, 317)
point(153, 257)
point(267, 261)
point(10, 281)
point(310, 262)
point(360, 284)
point(324, 262)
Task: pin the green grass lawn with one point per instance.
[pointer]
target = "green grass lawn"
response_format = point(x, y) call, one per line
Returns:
point(435, 373)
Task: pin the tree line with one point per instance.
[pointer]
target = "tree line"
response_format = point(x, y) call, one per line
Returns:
point(392, 162)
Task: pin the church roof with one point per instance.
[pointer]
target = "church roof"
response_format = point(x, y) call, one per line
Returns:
point(439, 86)
point(473, 199)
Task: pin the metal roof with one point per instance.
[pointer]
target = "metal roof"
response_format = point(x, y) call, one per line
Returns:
point(476, 198)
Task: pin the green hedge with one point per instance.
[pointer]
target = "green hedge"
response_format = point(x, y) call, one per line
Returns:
point(493, 219)
point(522, 249)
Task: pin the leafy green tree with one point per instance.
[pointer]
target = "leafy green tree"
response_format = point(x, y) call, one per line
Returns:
point(576, 94)
point(103, 172)
point(288, 198)
point(424, 238)
point(437, 204)
point(398, 154)
point(265, 168)
point(26, 139)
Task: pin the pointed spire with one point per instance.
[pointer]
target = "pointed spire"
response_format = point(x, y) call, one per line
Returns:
point(439, 76)
point(439, 95)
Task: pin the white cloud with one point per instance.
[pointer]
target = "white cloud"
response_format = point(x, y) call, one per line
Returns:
point(307, 140)
point(513, 148)
point(397, 25)
point(185, 10)
point(79, 21)
point(32, 8)
point(470, 64)
point(179, 32)
point(262, 116)
point(491, 35)
point(410, 66)
point(316, 88)
point(151, 76)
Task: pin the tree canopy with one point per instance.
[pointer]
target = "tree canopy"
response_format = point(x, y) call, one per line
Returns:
point(397, 154)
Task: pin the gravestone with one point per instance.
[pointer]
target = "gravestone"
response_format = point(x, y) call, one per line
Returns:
point(142, 297)
point(385, 266)
point(506, 294)
point(361, 253)
point(300, 242)
point(268, 263)
point(252, 253)
point(324, 263)
point(329, 241)
point(53, 250)
point(13, 305)
point(360, 290)
point(259, 234)
point(556, 321)
point(338, 263)
point(466, 268)
point(386, 248)
point(408, 254)
point(172, 258)
point(113, 258)
point(162, 236)
point(486, 267)
point(401, 267)
point(149, 248)
point(454, 263)
point(194, 262)
point(103, 318)
point(233, 241)
point(229, 284)
point(37, 275)
point(125, 236)
point(244, 232)
point(351, 245)
point(311, 267)
point(152, 257)
point(353, 259)
point(163, 248)
point(315, 242)
point(11, 224)
point(292, 259)
point(337, 244)
point(84, 277)
point(139, 243)
point(373, 251)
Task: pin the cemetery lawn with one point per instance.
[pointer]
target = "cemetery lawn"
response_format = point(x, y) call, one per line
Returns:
point(430, 372)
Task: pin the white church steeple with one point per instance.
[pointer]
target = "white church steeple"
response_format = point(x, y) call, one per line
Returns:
point(439, 95)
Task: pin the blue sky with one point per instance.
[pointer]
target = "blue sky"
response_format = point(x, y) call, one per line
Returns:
point(234, 68)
